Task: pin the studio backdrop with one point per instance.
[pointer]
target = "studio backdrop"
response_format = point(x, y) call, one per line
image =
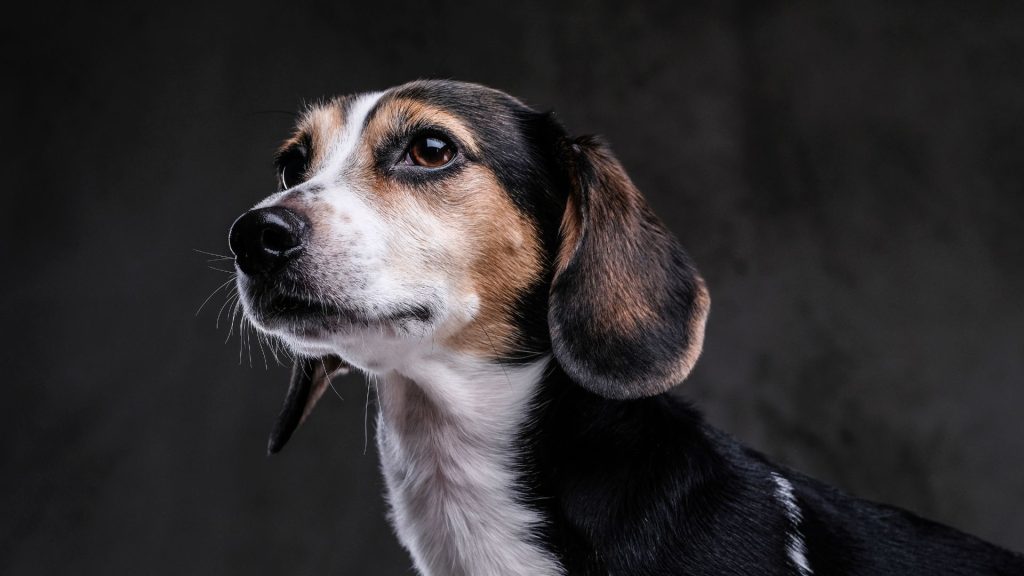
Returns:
point(847, 175)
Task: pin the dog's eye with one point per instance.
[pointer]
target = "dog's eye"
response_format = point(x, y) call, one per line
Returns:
point(291, 166)
point(430, 151)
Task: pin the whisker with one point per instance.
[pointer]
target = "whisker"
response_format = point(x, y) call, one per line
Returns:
point(244, 326)
point(231, 322)
point(217, 289)
point(214, 254)
point(270, 345)
point(371, 382)
point(241, 340)
point(329, 381)
point(259, 342)
point(231, 298)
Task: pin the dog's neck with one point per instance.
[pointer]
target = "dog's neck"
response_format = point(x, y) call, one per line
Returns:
point(447, 434)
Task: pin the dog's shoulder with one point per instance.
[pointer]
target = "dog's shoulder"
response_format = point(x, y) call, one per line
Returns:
point(646, 486)
point(639, 485)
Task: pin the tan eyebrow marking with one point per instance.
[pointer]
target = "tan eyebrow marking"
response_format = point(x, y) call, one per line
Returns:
point(394, 114)
point(320, 127)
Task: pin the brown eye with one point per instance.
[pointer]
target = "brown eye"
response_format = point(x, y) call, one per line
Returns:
point(430, 152)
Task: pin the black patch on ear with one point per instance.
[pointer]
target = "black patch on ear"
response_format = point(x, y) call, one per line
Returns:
point(627, 306)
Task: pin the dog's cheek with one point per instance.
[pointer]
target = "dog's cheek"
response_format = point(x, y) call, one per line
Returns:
point(501, 260)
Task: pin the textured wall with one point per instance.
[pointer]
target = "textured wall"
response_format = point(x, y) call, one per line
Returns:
point(848, 176)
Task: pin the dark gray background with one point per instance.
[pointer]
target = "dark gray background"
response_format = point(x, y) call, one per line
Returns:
point(847, 175)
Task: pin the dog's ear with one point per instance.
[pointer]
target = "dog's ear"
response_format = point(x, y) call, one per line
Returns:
point(310, 377)
point(627, 307)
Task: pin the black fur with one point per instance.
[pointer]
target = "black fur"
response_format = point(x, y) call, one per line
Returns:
point(526, 151)
point(622, 262)
point(643, 486)
point(629, 479)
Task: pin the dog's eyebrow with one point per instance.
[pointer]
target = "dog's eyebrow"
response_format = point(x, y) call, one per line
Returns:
point(314, 133)
point(410, 113)
point(371, 115)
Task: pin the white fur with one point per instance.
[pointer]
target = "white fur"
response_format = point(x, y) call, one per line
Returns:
point(445, 432)
point(447, 422)
point(365, 260)
point(341, 151)
point(795, 547)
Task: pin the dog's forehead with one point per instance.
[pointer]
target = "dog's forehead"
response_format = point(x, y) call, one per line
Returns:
point(359, 135)
point(476, 114)
point(472, 102)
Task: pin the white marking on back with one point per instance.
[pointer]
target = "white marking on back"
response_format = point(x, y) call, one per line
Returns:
point(446, 434)
point(795, 547)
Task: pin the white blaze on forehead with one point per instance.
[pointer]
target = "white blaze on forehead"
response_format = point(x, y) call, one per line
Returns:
point(341, 152)
point(342, 149)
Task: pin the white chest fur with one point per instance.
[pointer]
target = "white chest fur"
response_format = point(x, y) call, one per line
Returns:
point(446, 432)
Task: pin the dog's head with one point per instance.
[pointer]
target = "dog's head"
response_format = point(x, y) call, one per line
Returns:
point(444, 216)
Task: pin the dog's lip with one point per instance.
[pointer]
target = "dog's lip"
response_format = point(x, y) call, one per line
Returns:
point(302, 312)
point(290, 305)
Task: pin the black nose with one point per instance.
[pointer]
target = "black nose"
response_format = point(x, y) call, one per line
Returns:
point(264, 239)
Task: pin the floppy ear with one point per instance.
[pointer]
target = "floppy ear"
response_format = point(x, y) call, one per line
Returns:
point(627, 307)
point(310, 377)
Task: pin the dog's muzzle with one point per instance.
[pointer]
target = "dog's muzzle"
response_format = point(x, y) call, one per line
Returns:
point(264, 241)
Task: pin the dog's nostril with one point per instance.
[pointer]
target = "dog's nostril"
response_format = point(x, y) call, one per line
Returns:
point(279, 239)
point(264, 239)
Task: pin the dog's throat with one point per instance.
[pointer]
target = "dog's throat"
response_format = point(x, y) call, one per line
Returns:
point(447, 442)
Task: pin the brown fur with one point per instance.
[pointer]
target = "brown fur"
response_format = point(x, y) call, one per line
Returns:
point(571, 230)
point(496, 250)
point(394, 113)
point(702, 306)
point(503, 261)
point(614, 220)
point(319, 127)
point(628, 279)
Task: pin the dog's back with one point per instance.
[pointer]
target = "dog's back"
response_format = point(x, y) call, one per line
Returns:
point(647, 487)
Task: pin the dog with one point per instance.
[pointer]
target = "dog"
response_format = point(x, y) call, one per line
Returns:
point(524, 315)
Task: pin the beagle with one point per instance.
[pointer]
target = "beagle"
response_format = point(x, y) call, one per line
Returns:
point(524, 314)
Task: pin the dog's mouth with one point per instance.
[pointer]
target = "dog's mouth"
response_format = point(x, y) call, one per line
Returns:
point(286, 306)
point(305, 316)
point(300, 313)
